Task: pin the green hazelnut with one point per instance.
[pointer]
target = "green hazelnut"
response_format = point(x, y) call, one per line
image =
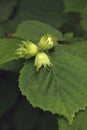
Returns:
point(47, 42)
point(27, 49)
point(42, 59)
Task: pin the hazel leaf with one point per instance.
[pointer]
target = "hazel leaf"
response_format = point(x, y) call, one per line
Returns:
point(61, 89)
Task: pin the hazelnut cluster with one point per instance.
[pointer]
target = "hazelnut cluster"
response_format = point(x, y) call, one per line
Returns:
point(27, 49)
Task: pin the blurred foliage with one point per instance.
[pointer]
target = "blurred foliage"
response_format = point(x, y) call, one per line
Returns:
point(58, 13)
point(67, 16)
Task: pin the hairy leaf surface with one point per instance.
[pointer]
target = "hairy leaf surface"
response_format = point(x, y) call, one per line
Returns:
point(63, 88)
point(34, 30)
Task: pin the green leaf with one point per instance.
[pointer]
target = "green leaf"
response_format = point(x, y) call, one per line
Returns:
point(75, 5)
point(62, 89)
point(34, 30)
point(84, 20)
point(76, 47)
point(68, 36)
point(8, 91)
point(2, 30)
point(14, 65)
point(79, 123)
point(6, 8)
point(50, 12)
point(7, 49)
point(47, 11)
point(79, 6)
point(8, 27)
